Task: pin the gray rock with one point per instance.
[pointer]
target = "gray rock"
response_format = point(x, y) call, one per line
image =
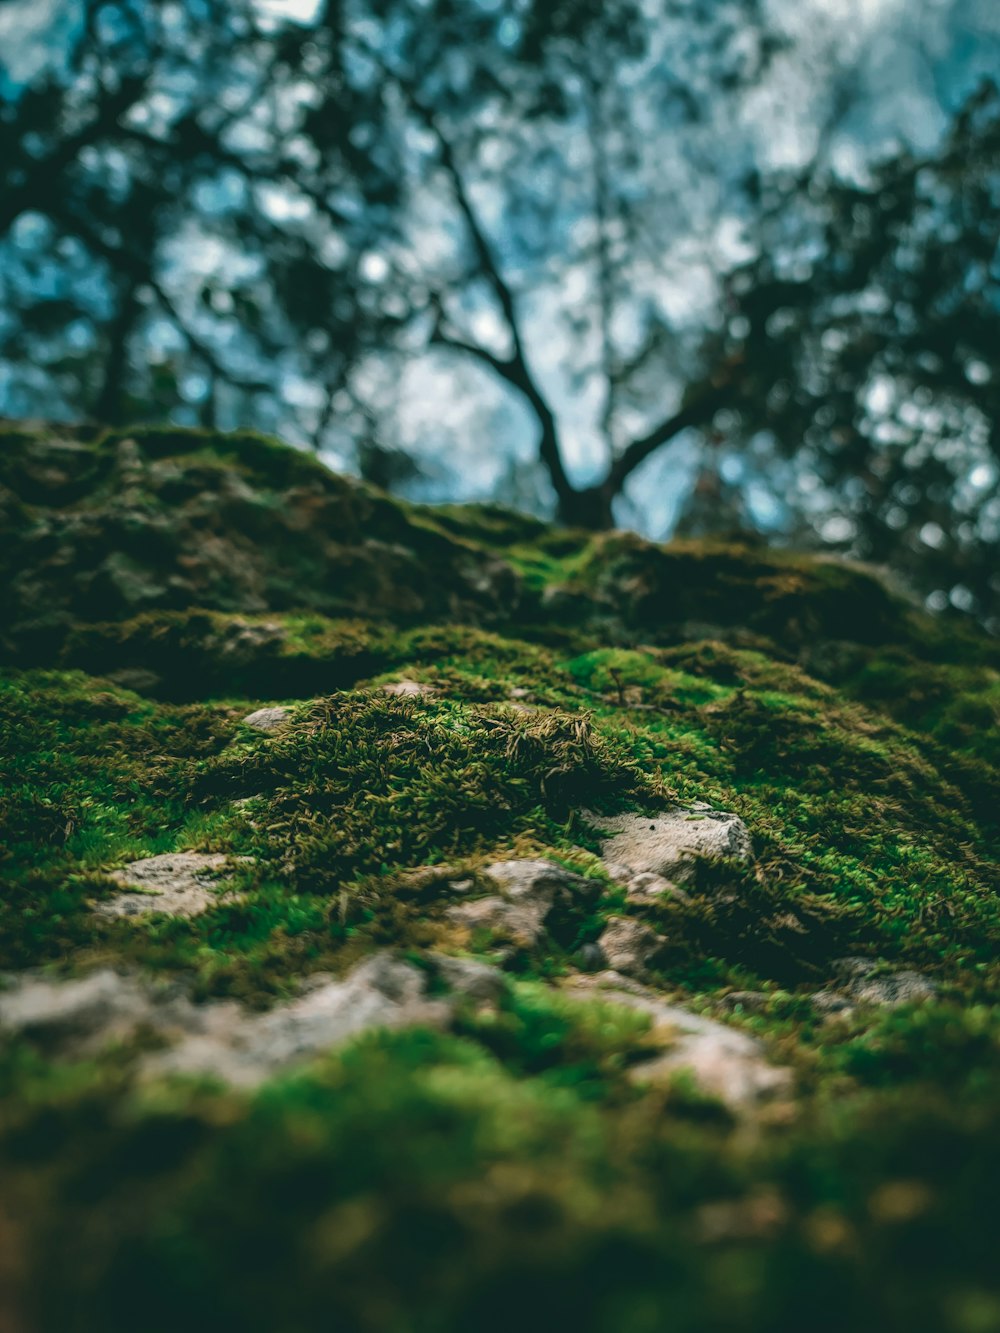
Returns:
point(723, 1062)
point(381, 992)
point(865, 981)
point(749, 1001)
point(222, 1040)
point(630, 946)
point(268, 719)
point(541, 882)
point(178, 883)
point(407, 689)
point(534, 896)
point(646, 888)
point(470, 977)
point(522, 922)
point(665, 844)
point(57, 1010)
point(591, 958)
point(245, 640)
point(831, 1002)
point(138, 679)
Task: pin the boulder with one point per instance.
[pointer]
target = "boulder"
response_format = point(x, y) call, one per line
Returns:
point(523, 923)
point(645, 888)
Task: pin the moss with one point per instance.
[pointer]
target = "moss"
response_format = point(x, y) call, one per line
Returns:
point(507, 1170)
point(197, 654)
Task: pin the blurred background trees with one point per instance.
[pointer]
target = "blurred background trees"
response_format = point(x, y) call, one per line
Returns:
point(724, 266)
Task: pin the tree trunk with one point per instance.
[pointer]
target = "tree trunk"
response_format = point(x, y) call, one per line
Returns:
point(589, 508)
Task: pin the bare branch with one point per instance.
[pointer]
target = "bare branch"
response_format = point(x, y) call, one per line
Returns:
point(517, 371)
point(699, 411)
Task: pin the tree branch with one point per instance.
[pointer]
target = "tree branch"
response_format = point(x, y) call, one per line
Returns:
point(698, 412)
point(43, 183)
point(517, 371)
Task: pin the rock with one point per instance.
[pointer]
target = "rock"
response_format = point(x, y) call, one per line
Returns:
point(243, 640)
point(665, 844)
point(178, 883)
point(618, 872)
point(630, 946)
point(58, 1010)
point(470, 977)
point(381, 992)
point(222, 1039)
point(831, 1002)
point(541, 882)
point(723, 1062)
point(863, 981)
point(591, 958)
point(535, 897)
point(268, 719)
point(747, 1001)
point(522, 922)
point(645, 888)
point(138, 679)
point(407, 689)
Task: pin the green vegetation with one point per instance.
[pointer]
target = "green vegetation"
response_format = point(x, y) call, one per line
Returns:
point(507, 1170)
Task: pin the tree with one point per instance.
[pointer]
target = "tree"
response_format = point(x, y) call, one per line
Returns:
point(866, 329)
point(218, 214)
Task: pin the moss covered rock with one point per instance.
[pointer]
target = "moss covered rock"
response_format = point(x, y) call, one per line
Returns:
point(471, 711)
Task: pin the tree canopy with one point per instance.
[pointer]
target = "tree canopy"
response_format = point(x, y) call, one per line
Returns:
point(563, 213)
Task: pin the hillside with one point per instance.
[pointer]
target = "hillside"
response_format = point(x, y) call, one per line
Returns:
point(418, 920)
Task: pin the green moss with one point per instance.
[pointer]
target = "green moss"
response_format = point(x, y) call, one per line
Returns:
point(197, 654)
point(508, 1170)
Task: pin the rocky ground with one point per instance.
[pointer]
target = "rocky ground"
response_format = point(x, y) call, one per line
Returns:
point(428, 920)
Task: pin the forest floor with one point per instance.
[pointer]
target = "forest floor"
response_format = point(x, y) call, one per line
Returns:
point(426, 920)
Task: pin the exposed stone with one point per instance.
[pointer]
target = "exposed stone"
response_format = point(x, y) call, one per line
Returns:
point(646, 888)
point(864, 981)
point(618, 872)
point(723, 1062)
point(407, 689)
point(522, 922)
point(381, 992)
point(470, 977)
point(268, 719)
point(666, 844)
point(221, 1039)
point(242, 640)
point(541, 882)
point(178, 883)
point(747, 1001)
point(591, 957)
point(630, 946)
point(139, 679)
point(831, 1002)
point(60, 1010)
point(535, 897)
